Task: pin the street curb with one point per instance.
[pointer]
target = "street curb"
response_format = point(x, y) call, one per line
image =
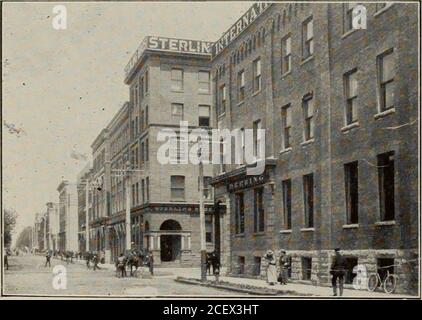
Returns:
point(249, 289)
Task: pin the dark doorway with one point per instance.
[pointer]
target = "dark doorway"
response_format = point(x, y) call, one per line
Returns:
point(170, 247)
point(170, 244)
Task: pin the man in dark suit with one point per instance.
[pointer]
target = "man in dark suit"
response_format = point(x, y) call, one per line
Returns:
point(337, 271)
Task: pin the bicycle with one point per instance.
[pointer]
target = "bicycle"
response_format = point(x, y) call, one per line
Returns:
point(389, 283)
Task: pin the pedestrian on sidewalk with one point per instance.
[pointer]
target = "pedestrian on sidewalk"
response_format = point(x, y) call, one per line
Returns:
point(337, 271)
point(95, 261)
point(271, 267)
point(151, 262)
point(47, 258)
point(284, 266)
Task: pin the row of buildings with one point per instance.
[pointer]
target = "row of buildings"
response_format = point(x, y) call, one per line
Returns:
point(339, 106)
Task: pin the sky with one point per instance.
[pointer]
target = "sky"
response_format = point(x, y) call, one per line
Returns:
point(61, 87)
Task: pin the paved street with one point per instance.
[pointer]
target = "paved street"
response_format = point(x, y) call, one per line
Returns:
point(27, 275)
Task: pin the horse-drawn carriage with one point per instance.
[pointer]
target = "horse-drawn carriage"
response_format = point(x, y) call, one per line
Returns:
point(132, 259)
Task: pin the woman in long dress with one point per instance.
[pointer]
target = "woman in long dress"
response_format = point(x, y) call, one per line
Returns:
point(271, 268)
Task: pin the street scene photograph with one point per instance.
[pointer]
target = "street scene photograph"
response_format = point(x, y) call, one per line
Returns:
point(210, 150)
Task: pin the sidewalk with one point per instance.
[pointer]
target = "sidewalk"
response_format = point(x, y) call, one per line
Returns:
point(299, 288)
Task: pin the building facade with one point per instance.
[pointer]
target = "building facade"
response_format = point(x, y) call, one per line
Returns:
point(169, 82)
point(339, 108)
point(68, 217)
point(84, 203)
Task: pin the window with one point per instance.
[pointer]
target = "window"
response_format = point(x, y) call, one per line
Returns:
point(137, 193)
point(351, 94)
point(308, 197)
point(207, 188)
point(256, 137)
point(177, 187)
point(146, 81)
point(256, 266)
point(348, 16)
point(239, 213)
point(146, 153)
point(308, 114)
point(143, 190)
point(146, 116)
point(352, 192)
point(307, 38)
point(259, 210)
point(286, 54)
point(241, 264)
point(223, 97)
point(287, 203)
point(147, 188)
point(177, 112)
point(204, 81)
point(350, 264)
point(222, 158)
point(141, 89)
point(241, 86)
point(136, 95)
point(204, 116)
point(306, 268)
point(257, 75)
point(386, 185)
point(386, 70)
point(286, 123)
point(142, 151)
point(208, 228)
point(177, 79)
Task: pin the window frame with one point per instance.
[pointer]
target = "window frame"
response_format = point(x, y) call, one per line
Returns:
point(350, 101)
point(307, 43)
point(241, 83)
point(285, 54)
point(173, 80)
point(308, 121)
point(177, 188)
point(257, 74)
point(285, 126)
point(382, 84)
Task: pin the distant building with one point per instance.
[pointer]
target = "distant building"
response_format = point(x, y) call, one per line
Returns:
point(84, 203)
point(68, 216)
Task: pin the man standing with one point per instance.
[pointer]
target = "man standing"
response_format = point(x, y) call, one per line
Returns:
point(284, 266)
point(151, 262)
point(47, 258)
point(337, 271)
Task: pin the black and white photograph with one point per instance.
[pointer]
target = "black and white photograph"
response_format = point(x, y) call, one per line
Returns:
point(211, 150)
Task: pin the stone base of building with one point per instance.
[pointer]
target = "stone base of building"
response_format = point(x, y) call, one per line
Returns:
point(313, 267)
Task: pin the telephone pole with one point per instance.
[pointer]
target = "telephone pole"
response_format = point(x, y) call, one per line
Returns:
point(202, 219)
point(87, 249)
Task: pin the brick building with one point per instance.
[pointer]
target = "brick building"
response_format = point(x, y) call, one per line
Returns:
point(339, 108)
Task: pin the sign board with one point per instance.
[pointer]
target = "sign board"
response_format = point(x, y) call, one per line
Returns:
point(235, 30)
point(247, 182)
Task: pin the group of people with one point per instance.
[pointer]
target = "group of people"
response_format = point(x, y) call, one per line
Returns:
point(213, 261)
point(284, 262)
point(136, 258)
point(337, 270)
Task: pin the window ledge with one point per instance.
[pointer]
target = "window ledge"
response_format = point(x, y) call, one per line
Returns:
point(204, 93)
point(240, 103)
point(381, 11)
point(287, 231)
point(286, 74)
point(350, 126)
point(311, 57)
point(385, 223)
point(286, 150)
point(305, 143)
point(348, 33)
point(307, 229)
point(384, 113)
point(351, 226)
point(260, 233)
point(177, 91)
point(256, 93)
point(239, 235)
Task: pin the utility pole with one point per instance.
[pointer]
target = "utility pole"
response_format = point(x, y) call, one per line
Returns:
point(202, 219)
point(87, 249)
point(127, 220)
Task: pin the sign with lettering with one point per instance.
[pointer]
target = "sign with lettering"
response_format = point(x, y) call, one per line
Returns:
point(247, 19)
point(179, 208)
point(247, 182)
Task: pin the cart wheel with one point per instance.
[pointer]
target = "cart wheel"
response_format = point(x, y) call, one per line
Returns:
point(372, 282)
point(390, 284)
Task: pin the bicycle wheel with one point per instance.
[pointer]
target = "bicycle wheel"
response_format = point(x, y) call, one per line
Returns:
point(390, 284)
point(372, 282)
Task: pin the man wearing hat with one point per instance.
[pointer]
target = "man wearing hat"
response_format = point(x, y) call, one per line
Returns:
point(271, 268)
point(284, 266)
point(337, 271)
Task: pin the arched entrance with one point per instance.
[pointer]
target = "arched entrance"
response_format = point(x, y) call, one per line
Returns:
point(170, 240)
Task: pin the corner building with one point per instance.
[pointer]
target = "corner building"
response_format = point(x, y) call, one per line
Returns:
point(169, 82)
point(339, 108)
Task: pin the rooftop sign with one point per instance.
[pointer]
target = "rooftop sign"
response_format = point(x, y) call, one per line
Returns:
point(247, 19)
point(169, 45)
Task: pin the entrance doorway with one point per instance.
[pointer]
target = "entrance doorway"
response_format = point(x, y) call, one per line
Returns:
point(170, 244)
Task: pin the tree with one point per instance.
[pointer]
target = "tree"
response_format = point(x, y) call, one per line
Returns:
point(24, 239)
point(10, 216)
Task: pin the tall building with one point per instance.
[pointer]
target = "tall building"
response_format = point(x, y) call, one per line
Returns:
point(339, 108)
point(169, 82)
point(53, 230)
point(84, 203)
point(68, 216)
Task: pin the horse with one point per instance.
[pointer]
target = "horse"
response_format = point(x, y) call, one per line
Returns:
point(136, 259)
